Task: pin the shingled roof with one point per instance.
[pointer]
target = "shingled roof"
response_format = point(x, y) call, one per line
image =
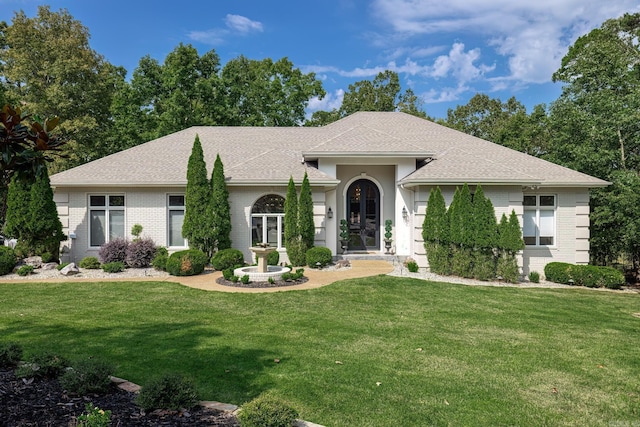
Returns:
point(270, 155)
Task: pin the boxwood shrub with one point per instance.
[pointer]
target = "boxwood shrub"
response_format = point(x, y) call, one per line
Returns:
point(584, 275)
point(318, 257)
point(159, 261)
point(90, 263)
point(187, 263)
point(7, 260)
point(267, 411)
point(227, 258)
point(169, 391)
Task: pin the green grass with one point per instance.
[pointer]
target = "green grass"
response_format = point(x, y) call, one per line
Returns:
point(411, 352)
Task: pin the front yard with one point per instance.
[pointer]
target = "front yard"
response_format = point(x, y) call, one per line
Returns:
point(377, 351)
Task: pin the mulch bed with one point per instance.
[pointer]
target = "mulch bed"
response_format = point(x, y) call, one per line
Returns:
point(275, 284)
point(44, 403)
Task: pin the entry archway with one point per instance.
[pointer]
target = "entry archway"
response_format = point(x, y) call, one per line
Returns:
point(363, 215)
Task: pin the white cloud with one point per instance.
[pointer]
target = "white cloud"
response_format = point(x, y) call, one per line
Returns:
point(331, 101)
point(242, 24)
point(460, 64)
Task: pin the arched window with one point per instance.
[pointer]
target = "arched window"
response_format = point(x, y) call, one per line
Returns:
point(266, 221)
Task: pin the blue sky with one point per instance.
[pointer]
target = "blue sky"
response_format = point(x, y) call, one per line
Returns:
point(446, 51)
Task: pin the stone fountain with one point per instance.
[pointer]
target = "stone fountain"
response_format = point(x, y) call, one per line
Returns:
point(262, 272)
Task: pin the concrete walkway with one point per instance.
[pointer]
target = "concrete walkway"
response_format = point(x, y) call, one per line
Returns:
point(317, 278)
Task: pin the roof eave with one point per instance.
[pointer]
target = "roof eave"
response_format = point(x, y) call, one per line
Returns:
point(310, 155)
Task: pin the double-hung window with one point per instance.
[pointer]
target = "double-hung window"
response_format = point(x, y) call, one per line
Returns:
point(539, 220)
point(175, 205)
point(267, 224)
point(106, 218)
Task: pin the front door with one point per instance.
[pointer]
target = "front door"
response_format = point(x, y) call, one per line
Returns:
point(363, 215)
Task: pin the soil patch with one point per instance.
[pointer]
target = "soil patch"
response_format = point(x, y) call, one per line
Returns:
point(43, 402)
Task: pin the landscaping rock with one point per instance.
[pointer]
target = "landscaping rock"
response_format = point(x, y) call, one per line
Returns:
point(34, 261)
point(70, 270)
point(343, 263)
point(49, 266)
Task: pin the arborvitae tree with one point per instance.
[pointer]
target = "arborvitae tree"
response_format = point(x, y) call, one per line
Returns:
point(44, 226)
point(306, 226)
point(220, 209)
point(197, 227)
point(485, 232)
point(291, 233)
point(17, 218)
point(461, 232)
point(435, 232)
point(509, 243)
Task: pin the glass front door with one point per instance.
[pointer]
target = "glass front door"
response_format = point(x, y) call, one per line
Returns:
point(363, 215)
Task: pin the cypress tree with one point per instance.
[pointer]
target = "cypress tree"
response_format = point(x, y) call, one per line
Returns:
point(17, 217)
point(461, 232)
point(306, 225)
point(44, 224)
point(291, 232)
point(485, 232)
point(435, 232)
point(509, 243)
point(220, 209)
point(197, 227)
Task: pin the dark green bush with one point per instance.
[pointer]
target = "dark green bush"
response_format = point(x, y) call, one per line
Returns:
point(170, 391)
point(113, 267)
point(507, 268)
point(43, 365)
point(159, 261)
point(62, 265)
point(227, 258)
point(87, 376)
point(266, 411)
point(187, 263)
point(584, 275)
point(90, 262)
point(10, 354)
point(291, 276)
point(318, 257)
point(140, 253)
point(245, 279)
point(412, 266)
point(7, 260)
point(25, 270)
point(113, 250)
point(47, 257)
point(227, 273)
point(534, 277)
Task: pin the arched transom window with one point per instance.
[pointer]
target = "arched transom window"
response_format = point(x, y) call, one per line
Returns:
point(266, 221)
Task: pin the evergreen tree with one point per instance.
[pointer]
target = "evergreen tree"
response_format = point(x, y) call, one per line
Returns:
point(485, 233)
point(461, 232)
point(306, 225)
point(295, 248)
point(220, 209)
point(509, 243)
point(18, 199)
point(44, 226)
point(435, 232)
point(197, 227)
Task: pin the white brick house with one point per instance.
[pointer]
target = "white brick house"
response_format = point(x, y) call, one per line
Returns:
point(366, 168)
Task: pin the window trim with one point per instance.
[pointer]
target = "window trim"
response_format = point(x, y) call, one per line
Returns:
point(107, 208)
point(263, 216)
point(538, 208)
point(175, 208)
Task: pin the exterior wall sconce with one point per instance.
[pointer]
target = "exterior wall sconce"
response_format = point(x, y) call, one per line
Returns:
point(405, 214)
point(329, 213)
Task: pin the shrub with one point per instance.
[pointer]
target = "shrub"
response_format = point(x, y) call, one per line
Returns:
point(412, 266)
point(10, 354)
point(159, 261)
point(94, 417)
point(227, 273)
point(61, 266)
point(227, 258)
point(170, 391)
point(296, 251)
point(87, 376)
point(584, 275)
point(534, 277)
point(7, 260)
point(47, 257)
point(507, 269)
point(299, 273)
point(114, 250)
point(113, 267)
point(267, 411)
point(90, 262)
point(140, 253)
point(245, 279)
point(43, 365)
point(318, 257)
point(25, 270)
point(235, 278)
point(273, 258)
point(187, 263)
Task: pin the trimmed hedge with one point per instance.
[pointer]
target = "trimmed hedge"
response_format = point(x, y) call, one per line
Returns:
point(7, 260)
point(227, 258)
point(318, 257)
point(187, 263)
point(590, 276)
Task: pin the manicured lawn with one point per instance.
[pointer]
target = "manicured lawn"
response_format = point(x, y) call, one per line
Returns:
point(380, 351)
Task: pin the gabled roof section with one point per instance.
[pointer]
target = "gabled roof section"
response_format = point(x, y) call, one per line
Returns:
point(254, 156)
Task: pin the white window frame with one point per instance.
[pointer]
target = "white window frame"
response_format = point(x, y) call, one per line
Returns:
point(538, 211)
point(171, 208)
point(108, 209)
point(264, 217)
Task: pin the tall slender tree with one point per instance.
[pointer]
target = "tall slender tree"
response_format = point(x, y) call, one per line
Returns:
point(461, 232)
point(509, 243)
point(18, 200)
point(295, 248)
point(220, 209)
point(485, 236)
point(44, 226)
point(197, 227)
point(306, 223)
point(435, 233)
